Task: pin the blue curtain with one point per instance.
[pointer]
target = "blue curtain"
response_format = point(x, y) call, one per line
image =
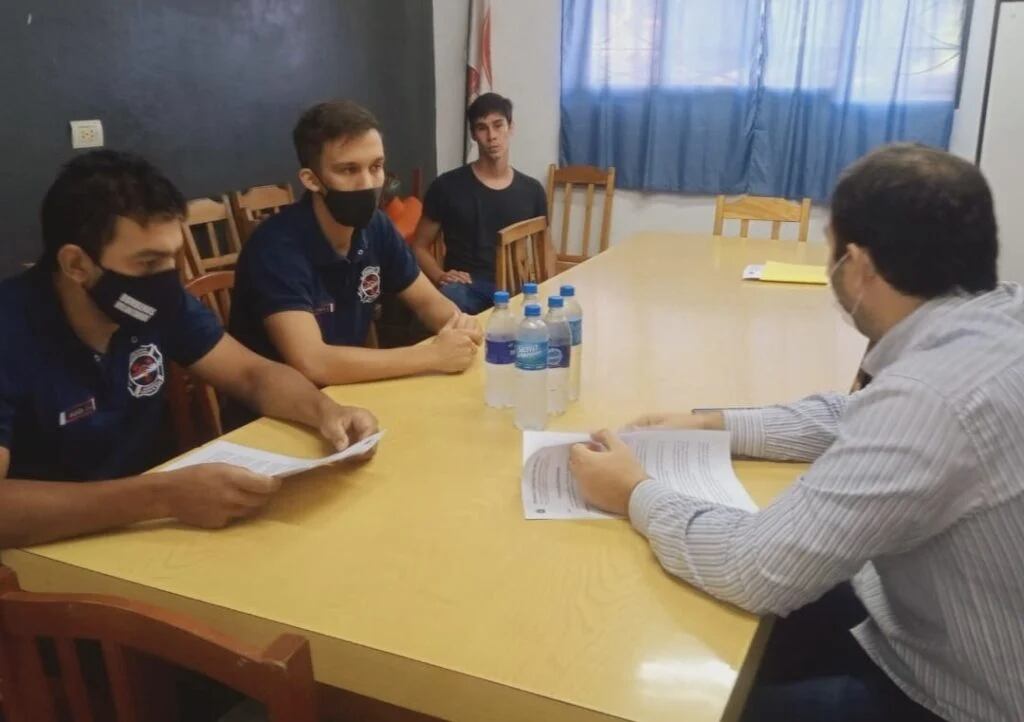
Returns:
point(769, 97)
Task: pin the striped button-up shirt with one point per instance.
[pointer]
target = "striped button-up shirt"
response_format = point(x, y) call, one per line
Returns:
point(916, 493)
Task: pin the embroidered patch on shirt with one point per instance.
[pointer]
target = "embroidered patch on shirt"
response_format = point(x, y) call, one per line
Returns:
point(145, 371)
point(369, 284)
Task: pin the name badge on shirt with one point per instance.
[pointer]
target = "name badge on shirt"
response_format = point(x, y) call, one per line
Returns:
point(79, 411)
point(324, 308)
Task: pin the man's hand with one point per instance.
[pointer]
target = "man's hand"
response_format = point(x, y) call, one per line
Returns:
point(213, 495)
point(346, 425)
point(453, 349)
point(704, 421)
point(469, 324)
point(607, 471)
point(454, 277)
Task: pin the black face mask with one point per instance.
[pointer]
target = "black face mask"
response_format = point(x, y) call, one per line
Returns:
point(351, 208)
point(138, 300)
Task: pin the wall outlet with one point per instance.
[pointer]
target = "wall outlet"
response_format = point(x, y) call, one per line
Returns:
point(86, 134)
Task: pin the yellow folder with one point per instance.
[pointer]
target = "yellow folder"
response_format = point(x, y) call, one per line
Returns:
point(775, 272)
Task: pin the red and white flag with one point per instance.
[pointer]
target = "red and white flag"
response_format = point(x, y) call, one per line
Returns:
point(479, 79)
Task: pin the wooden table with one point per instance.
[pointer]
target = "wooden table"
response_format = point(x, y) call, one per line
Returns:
point(417, 579)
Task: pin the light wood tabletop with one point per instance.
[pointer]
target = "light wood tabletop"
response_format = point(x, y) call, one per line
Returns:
point(416, 578)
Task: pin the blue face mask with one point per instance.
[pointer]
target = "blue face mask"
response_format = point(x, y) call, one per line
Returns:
point(138, 300)
point(849, 316)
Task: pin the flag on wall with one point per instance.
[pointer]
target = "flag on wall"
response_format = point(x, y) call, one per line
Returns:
point(479, 79)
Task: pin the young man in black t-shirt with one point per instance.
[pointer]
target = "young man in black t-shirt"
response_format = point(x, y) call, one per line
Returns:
point(471, 204)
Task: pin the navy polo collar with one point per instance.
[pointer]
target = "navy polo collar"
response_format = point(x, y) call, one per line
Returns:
point(320, 250)
point(48, 315)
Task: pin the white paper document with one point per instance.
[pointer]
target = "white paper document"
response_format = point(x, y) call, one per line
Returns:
point(695, 463)
point(267, 462)
point(753, 272)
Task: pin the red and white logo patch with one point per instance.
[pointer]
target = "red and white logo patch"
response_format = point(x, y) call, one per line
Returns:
point(145, 371)
point(369, 284)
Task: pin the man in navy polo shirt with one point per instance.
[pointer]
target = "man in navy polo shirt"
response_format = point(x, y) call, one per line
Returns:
point(87, 334)
point(308, 278)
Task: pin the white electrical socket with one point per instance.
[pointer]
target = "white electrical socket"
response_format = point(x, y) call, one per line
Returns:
point(86, 134)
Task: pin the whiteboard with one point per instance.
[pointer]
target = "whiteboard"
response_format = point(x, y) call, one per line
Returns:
point(1002, 150)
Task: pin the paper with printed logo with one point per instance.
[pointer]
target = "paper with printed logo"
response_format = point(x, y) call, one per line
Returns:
point(267, 462)
point(694, 463)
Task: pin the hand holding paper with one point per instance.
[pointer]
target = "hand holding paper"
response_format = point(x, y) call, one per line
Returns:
point(606, 471)
point(695, 463)
point(266, 462)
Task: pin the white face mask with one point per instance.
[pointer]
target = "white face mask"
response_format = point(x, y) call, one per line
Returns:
point(849, 316)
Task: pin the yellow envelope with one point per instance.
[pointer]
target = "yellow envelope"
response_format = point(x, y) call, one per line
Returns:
point(775, 272)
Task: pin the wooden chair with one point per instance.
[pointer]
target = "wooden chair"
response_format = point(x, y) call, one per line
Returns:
point(214, 220)
point(214, 290)
point(592, 177)
point(253, 205)
point(759, 208)
point(138, 642)
point(193, 406)
point(521, 248)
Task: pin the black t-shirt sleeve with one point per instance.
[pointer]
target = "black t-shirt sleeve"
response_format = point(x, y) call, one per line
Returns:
point(194, 334)
point(398, 265)
point(434, 205)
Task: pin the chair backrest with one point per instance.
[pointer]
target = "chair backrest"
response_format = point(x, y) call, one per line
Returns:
point(138, 643)
point(193, 406)
point(760, 208)
point(521, 254)
point(253, 205)
point(566, 179)
point(209, 223)
point(214, 290)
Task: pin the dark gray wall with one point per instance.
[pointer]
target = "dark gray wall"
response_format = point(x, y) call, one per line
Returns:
point(207, 89)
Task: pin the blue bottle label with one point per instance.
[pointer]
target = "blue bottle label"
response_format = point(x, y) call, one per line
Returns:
point(558, 356)
point(501, 352)
point(532, 355)
point(576, 328)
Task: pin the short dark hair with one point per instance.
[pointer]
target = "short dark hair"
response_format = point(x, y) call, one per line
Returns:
point(926, 217)
point(485, 105)
point(92, 191)
point(329, 121)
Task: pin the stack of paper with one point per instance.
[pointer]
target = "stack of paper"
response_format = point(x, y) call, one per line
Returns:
point(694, 463)
point(267, 462)
point(775, 272)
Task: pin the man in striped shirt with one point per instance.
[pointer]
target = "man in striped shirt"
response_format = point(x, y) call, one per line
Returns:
point(916, 491)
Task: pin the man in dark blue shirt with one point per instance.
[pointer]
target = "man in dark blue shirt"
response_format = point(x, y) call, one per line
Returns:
point(308, 278)
point(471, 203)
point(88, 333)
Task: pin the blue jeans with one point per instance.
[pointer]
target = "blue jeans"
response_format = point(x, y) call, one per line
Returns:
point(813, 669)
point(471, 298)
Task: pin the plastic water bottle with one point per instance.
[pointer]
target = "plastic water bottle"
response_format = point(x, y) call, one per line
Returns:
point(530, 295)
point(500, 355)
point(575, 315)
point(559, 355)
point(532, 370)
